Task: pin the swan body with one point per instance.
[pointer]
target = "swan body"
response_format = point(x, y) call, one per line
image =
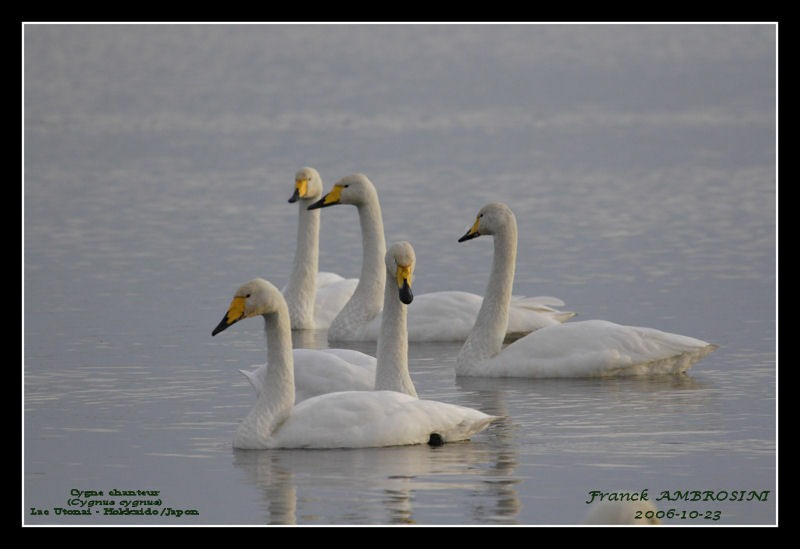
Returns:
point(345, 419)
point(314, 298)
point(436, 316)
point(592, 348)
point(323, 371)
point(373, 419)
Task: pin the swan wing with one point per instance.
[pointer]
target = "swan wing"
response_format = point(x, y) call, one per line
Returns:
point(450, 316)
point(544, 301)
point(325, 278)
point(331, 298)
point(442, 316)
point(528, 314)
point(597, 348)
point(318, 372)
point(352, 356)
point(323, 371)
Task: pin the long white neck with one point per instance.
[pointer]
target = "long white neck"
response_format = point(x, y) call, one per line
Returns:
point(391, 373)
point(301, 291)
point(276, 399)
point(367, 300)
point(486, 338)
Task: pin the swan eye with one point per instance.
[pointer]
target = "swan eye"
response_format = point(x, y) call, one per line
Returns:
point(346, 186)
point(248, 295)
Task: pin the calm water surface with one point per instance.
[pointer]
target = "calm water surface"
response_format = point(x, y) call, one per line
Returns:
point(640, 163)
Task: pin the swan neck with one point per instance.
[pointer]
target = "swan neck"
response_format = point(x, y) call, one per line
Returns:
point(280, 370)
point(276, 400)
point(486, 338)
point(373, 269)
point(391, 372)
point(301, 291)
point(367, 299)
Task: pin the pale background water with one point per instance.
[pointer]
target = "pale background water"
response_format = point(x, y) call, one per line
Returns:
point(640, 161)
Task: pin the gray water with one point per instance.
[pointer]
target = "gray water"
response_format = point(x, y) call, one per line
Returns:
point(640, 161)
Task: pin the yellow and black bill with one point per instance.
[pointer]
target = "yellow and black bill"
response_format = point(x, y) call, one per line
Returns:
point(472, 233)
point(300, 190)
point(329, 199)
point(235, 314)
point(404, 284)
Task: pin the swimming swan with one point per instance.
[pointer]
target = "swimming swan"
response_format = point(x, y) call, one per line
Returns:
point(436, 316)
point(314, 298)
point(346, 419)
point(330, 370)
point(576, 349)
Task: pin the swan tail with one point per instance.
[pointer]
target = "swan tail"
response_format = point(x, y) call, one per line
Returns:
point(467, 427)
point(543, 305)
point(564, 316)
point(542, 300)
point(252, 377)
point(678, 364)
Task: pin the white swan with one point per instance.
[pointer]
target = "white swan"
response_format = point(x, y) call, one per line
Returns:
point(330, 370)
point(346, 419)
point(314, 298)
point(436, 316)
point(576, 349)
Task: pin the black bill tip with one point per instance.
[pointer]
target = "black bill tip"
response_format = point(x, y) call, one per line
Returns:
point(295, 196)
point(469, 236)
point(318, 204)
point(406, 296)
point(222, 325)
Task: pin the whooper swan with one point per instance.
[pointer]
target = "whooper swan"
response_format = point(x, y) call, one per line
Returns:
point(346, 419)
point(314, 298)
point(589, 348)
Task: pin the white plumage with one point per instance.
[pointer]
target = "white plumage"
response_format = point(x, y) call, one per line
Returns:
point(374, 419)
point(346, 419)
point(323, 371)
point(577, 349)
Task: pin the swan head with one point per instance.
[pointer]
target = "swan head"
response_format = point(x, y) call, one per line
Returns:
point(491, 218)
point(400, 262)
point(307, 185)
point(257, 297)
point(355, 189)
